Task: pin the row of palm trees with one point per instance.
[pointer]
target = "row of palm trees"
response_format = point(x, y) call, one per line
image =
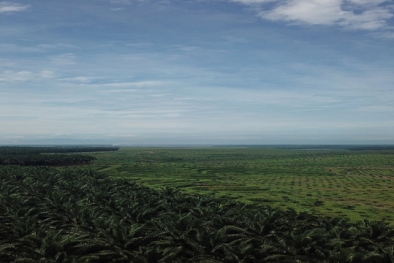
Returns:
point(46, 159)
point(48, 215)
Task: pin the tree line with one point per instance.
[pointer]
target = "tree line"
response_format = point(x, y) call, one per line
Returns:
point(49, 156)
point(23, 150)
point(49, 215)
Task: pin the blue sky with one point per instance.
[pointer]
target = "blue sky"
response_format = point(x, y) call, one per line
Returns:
point(197, 71)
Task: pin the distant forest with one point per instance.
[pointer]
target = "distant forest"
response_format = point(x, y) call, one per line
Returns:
point(49, 156)
point(317, 147)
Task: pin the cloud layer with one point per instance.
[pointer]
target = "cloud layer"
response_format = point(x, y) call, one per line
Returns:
point(350, 14)
point(9, 76)
point(7, 7)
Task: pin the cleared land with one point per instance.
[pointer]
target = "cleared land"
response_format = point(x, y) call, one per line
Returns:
point(356, 184)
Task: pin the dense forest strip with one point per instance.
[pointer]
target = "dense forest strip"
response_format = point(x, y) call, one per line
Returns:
point(82, 216)
point(315, 147)
point(25, 150)
point(46, 160)
point(49, 156)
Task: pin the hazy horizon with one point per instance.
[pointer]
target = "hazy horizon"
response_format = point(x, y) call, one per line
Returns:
point(198, 72)
point(93, 143)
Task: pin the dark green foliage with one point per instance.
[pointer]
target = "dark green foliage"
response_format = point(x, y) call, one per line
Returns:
point(48, 215)
point(24, 150)
point(46, 159)
point(34, 156)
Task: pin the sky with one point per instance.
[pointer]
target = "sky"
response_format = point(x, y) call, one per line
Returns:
point(164, 72)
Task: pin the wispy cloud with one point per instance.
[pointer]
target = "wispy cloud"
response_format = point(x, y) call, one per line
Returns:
point(137, 84)
point(185, 48)
point(25, 76)
point(18, 48)
point(377, 108)
point(124, 2)
point(197, 71)
point(7, 7)
point(351, 14)
point(64, 59)
point(117, 9)
point(250, 2)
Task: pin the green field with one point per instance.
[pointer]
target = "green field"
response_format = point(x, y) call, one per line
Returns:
point(356, 184)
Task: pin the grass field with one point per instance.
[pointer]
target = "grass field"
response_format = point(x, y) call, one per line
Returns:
point(356, 184)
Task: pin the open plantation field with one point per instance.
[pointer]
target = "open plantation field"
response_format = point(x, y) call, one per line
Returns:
point(67, 214)
point(337, 182)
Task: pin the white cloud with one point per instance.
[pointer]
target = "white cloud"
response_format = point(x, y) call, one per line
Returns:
point(7, 7)
point(249, 2)
point(376, 108)
point(368, 2)
point(185, 48)
point(368, 20)
point(13, 137)
point(80, 79)
point(25, 76)
point(124, 2)
point(386, 34)
point(317, 12)
point(56, 45)
point(18, 48)
point(351, 14)
point(64, 59)
point(138, 84)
